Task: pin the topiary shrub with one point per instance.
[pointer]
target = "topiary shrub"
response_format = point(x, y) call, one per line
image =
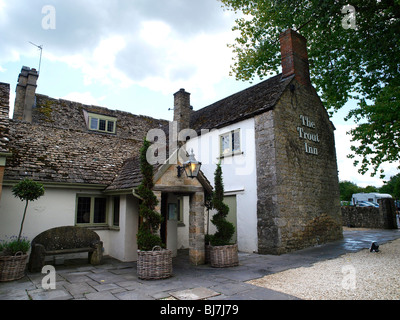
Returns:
point(147, 237)
point(27, 190)
point(225, 229)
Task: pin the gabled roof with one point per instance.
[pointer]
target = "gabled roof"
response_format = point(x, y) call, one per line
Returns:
point(58, 147)
point(237, 107)
point(240, 106)
point(130, 176)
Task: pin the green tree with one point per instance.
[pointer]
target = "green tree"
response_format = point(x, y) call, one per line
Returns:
point(225, 229)
point(347, 189)
point(392, 186)
point(147, 236)
point(354, 52)
point(379, 136)
point(369, 189)
point(27, 190)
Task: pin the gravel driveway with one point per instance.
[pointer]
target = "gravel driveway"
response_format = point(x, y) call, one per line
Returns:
point(363, 275)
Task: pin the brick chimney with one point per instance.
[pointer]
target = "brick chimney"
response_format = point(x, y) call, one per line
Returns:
point(182, 109)
point(295, 57)
point(25, 94)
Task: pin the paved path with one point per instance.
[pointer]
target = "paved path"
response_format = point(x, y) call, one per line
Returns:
point(114, 280)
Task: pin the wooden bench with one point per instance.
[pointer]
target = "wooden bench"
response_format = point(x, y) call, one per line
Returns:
point(65, 240)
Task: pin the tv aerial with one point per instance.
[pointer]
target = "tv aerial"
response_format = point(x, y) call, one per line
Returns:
point(41, 51)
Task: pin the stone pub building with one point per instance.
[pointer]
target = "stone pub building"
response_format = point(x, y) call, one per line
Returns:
point(274, 140)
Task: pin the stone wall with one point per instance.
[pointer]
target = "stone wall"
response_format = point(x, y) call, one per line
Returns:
point(371, 217)
point(4, 120)
point(4, 128)
point(267, 205)
point(387, 209)
point(298, 197)
point(167, 181)
point(361, 217)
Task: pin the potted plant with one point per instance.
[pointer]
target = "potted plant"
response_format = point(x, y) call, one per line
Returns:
point(14, 255)
point(154, 262)
point(222, 252)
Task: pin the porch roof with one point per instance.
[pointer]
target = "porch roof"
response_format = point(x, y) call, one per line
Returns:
point(130, 176)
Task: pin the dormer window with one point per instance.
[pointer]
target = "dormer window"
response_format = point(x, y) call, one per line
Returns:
point(101, 123)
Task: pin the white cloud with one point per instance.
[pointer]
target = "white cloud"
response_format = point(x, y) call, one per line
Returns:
point(12, 101)
point(160, 45)
point(347, 171)
point(166, 65)
point(2, 7)
point(98, 65)
point(155, 33)
point(84, 98)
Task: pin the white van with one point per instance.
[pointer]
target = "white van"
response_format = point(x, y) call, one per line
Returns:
point(368, 197)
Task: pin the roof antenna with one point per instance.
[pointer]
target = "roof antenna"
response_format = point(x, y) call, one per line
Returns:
point(41, 51)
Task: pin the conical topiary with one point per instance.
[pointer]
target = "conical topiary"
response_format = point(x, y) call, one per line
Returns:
point(225, 229)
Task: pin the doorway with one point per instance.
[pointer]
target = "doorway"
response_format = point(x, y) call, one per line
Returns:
point(170, 207)
point(163, 227)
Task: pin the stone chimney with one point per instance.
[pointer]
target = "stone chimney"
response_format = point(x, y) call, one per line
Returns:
point(295, 57)
point(4, 128)
point(182, 109)
point(25, 94)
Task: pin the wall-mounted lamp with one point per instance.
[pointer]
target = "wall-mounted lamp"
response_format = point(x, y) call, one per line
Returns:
point(191, 167)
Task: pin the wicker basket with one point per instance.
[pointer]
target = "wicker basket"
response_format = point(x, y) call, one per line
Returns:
point(13, 267)
point(155, 264)
point(224, 256)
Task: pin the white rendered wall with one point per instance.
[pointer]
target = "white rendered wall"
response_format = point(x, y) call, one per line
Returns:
point(183, 228)
point(57, 208)
point(239, 176)
point(121, 243)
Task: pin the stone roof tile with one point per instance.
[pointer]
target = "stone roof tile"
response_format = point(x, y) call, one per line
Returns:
point(58, 147)
point(240, 106)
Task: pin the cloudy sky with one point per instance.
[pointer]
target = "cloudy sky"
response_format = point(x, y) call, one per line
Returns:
point(132, 55)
